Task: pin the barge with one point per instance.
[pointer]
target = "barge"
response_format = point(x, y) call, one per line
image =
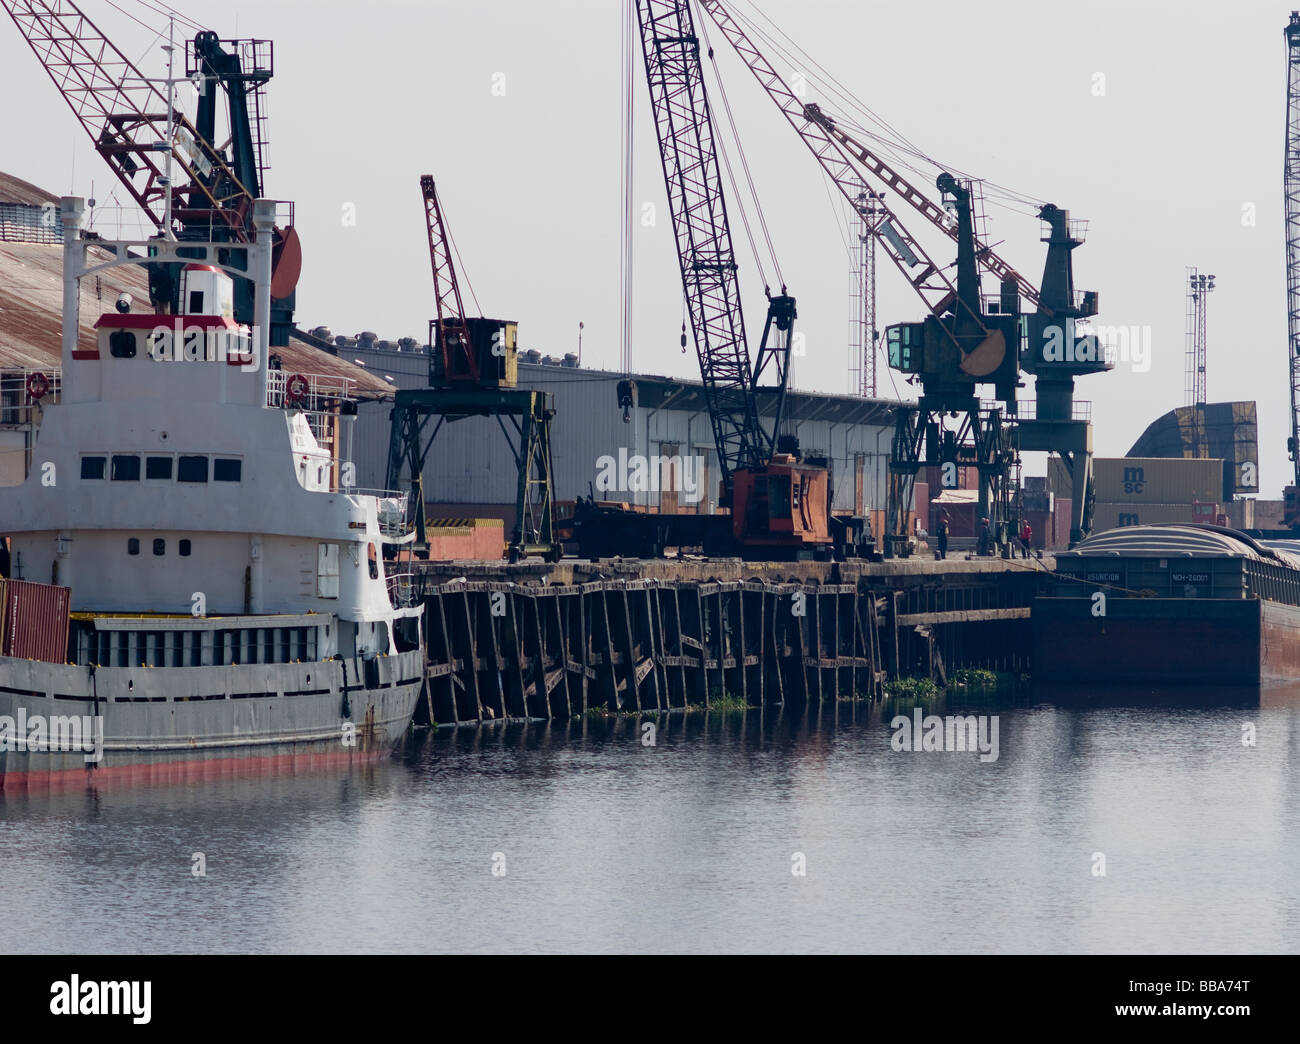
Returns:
point(233, 601)
point(1178, 610)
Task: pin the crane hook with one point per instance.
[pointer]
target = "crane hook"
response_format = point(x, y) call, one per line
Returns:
point(683, 338)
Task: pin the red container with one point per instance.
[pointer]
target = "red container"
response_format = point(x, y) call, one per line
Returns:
point(1060, 522)
point(36, 621)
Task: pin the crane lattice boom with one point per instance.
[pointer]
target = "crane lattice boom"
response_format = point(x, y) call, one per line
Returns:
point(449, 333)
point(126, 117)
point(688, 149)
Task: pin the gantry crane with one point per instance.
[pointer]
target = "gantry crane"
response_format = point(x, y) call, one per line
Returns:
point(473, 372)
point(990, 345)
point(135, 129)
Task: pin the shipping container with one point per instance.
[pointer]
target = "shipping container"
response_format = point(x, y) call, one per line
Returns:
point(1060, 521)
point(1032, 500)
point(1112, 516)
point(36, 621)
point(1240, 513)
point(1058, 477)
point(968, 477)
point(1268, 514)
point(1042, 523)
point(921, 503)
point(1157, 480)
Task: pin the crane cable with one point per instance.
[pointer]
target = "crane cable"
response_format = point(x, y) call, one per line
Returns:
point(744, 164)
point(627, 61)
point(897, 144)
point(460, 265)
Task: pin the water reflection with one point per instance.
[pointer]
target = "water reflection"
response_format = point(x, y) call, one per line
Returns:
point(608, 842)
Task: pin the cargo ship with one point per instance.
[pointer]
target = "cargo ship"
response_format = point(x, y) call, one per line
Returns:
point(228, 599)
point(1194, 612)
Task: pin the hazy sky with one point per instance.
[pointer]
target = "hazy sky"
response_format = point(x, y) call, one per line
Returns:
point(1188, 131)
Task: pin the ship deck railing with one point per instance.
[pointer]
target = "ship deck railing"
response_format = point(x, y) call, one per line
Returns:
point(319, 404)
point(394, 510)
point(401, 590)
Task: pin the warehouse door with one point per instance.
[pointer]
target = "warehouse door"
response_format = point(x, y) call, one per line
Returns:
point(670, 478)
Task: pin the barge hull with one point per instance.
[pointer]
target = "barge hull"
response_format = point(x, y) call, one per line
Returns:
point(1222, 649)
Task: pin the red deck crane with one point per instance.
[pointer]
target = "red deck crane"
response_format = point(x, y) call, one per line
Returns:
point(135, 129)
point(127, 118)
point(449, 333)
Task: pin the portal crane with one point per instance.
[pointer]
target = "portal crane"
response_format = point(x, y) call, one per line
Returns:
point(989, 349)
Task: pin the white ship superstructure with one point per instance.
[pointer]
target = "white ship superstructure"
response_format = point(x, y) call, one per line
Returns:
point(230, 592)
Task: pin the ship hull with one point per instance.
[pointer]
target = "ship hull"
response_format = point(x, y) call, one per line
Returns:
point(1207, 649)
point(63, 724)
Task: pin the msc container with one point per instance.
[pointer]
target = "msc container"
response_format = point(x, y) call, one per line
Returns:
point(36, 618)
point(1157, 480)
point(1112, 516)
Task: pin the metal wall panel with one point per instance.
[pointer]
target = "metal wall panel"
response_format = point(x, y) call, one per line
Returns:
point(472, 461)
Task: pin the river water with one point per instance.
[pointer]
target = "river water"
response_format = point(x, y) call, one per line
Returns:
point(1107, 830)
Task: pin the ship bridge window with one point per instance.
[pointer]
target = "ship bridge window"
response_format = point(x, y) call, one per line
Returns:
point(93, 467)
point(159, 546)
point(133, 546)
point(196, 302)
point(374, 563)
point(185, 548)
point(121, 344)
point(227, 469)
point(126, 468)
point(157, 467)
point(192, 469)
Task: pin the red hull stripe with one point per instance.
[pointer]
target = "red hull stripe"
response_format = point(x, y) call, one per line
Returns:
point(184, 771)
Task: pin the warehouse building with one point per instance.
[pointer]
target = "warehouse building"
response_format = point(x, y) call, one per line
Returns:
point(600, 447)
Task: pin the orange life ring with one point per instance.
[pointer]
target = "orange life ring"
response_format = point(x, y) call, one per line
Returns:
point(296, 388)
point(38, 386)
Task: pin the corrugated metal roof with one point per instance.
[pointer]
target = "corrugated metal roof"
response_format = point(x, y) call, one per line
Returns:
point(15, 190)
point(31, 304)
point(657, 392)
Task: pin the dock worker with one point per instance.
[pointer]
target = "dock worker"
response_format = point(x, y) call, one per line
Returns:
point(985, 545)
point(942, 532)
point(1026, 533)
